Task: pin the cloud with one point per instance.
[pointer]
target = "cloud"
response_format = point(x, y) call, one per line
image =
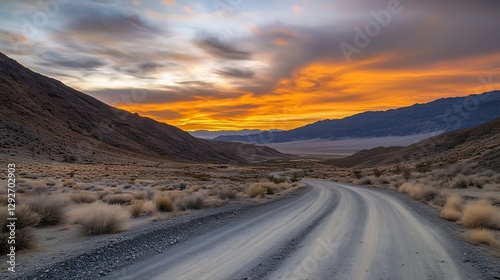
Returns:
point(96, 25)
point(169, 2)
point(219, 49)
point(236, 72)
point(188, 9)
point(54, 59)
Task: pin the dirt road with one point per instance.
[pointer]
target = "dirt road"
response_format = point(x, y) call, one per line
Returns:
point(332, 231)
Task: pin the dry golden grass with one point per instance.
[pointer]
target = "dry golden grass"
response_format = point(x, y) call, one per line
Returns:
point(213, 202)
point(164, 204)
point(149, 207)
point(83, 197)
point(480, 214)
point(256, 189)
point(26, 221)
point(451, 209)
point(482, 236)
point(190, 201)
point(102, 218)
point(418, 191)
point(51, 208)
point(135, 208)
point(122, 198)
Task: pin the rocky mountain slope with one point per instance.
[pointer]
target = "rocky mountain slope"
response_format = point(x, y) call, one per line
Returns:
point(480, 144)
point(42, 117)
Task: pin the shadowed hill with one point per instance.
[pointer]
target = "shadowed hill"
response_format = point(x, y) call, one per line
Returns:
point(480, 144)
point(42, 117)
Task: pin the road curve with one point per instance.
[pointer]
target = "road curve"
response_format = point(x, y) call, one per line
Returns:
point(332, 231)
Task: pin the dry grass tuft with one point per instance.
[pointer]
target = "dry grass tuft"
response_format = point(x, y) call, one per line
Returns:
point(191, 201)
point(51, 208)
point(481, 214)
point(149, 207)
point(226, 193)
point(256, 189)
point(135, 208)
point(451, 209)
point(213, 202)
point(83, 197)
point(164, 204)
point(482, 236)
point(102, 218)
point(26, 221)
point(122, 198)
point(418, 191)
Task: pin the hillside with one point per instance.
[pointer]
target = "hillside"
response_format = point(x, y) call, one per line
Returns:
point(479, 144)
point(42, 117)
point(445, 114)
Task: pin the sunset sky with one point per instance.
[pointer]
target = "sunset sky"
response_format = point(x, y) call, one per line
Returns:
point(234, 64)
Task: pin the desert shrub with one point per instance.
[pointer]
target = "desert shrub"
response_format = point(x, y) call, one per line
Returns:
point(194, 188)
point(191, 201)
point(164, 204)
point(480, 214)
point(103, 194)
point(406, 172)
point(213, 202)
point(83, 197)
point(256, 189)
point(226, 193)
point(459, 182)
point(482, 236)
point(121, 198)
point(135, 208)
point(149, 207)
point(102, 218)
point(364, 181)
point(295, 177)
point(276, 179)
point(139, 194)
point(418, 191)
point(26, 220)
point(39, 190)
point(458, 168)
point(377, 172)
point(51, 208)
point(181, 186)
point(270, 190)
point(357, 174)
point(451, 209)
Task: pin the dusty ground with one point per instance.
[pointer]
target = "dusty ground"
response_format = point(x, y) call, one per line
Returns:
point(140, 180)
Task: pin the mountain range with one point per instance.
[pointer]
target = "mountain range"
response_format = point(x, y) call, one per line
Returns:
point(442, 115)
point(42, 117)
point(480, 144)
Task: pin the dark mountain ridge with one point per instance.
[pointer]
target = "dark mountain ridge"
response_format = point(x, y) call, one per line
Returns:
point(445, 114)
point(42, 117)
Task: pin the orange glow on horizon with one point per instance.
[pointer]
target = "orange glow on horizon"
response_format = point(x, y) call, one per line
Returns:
point(326, 90)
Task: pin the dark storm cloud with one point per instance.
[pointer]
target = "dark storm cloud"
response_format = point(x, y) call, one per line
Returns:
point(236, 72)
point(109, 24)
point(423, 35)
point(53, 59)
point(220, 49)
